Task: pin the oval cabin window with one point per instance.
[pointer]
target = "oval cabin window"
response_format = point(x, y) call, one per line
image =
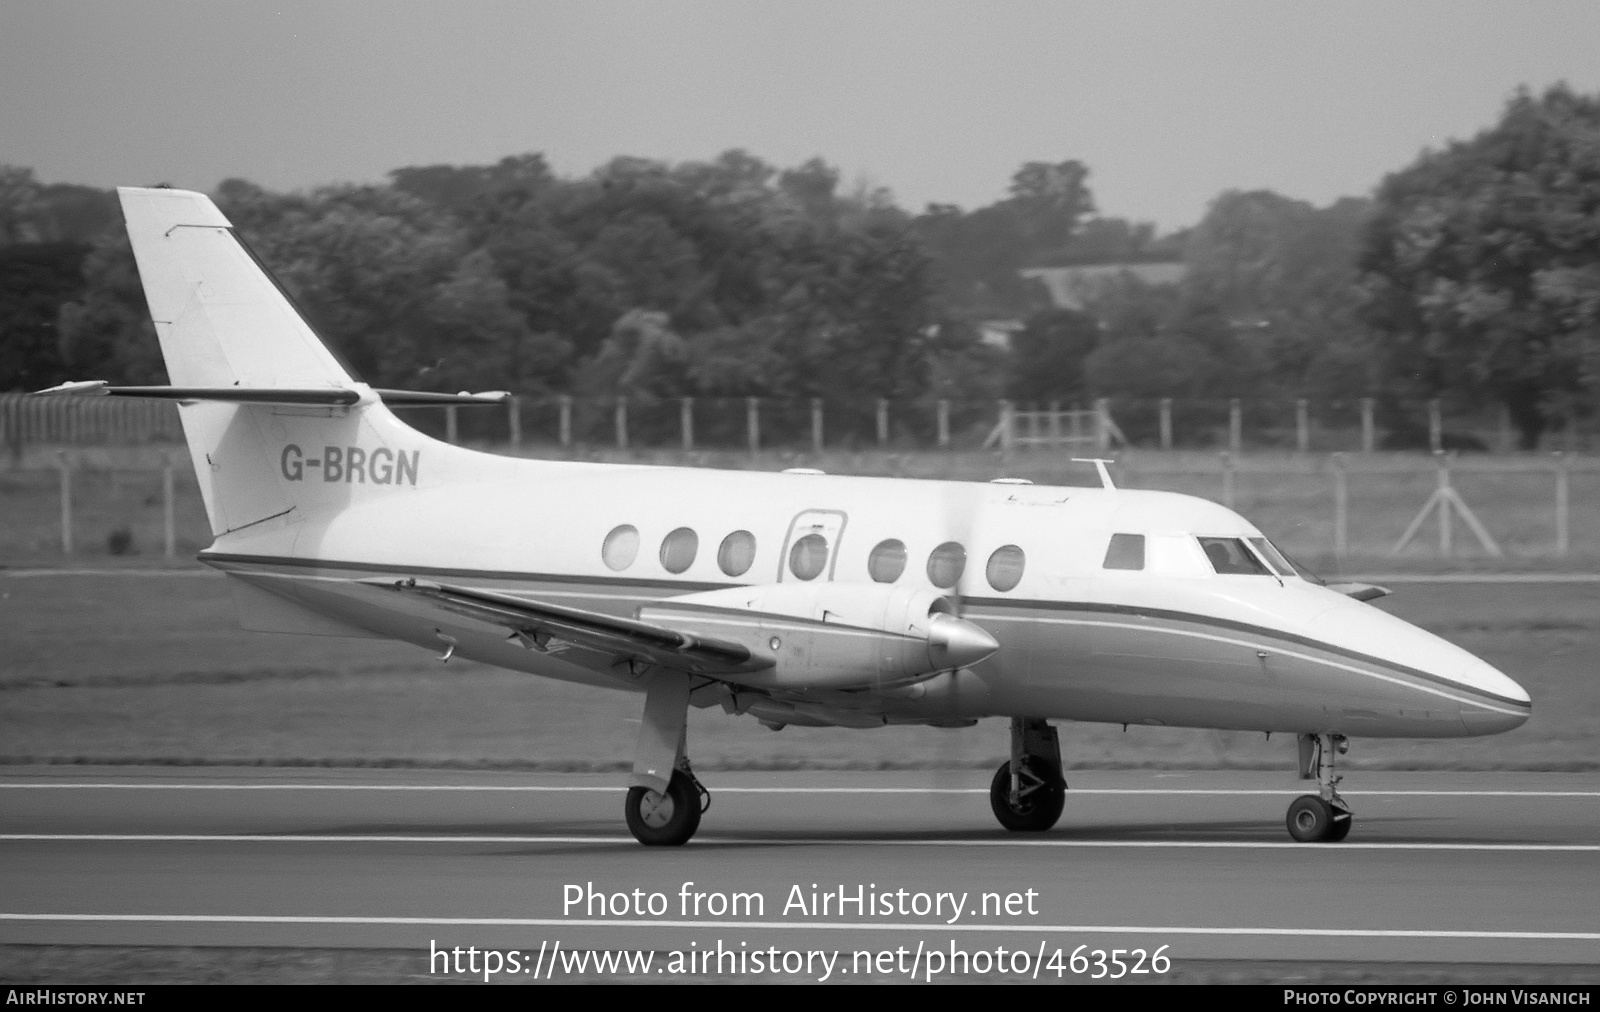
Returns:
point(808, 556)
point(946, 563)
point(887, 561)
point(678, 550)
point(1005, 568)
point(737, 553)
point(621, 547)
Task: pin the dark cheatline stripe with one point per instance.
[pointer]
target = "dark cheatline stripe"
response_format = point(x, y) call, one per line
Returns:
point(624, 583)
point(1167, 615)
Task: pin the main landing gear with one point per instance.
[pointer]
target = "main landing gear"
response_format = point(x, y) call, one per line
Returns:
point(666, 800)
point(1028, 790)
point(1323, 817)
point(668, 819)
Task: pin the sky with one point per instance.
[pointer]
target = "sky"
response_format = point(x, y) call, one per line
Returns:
point(1168, 103)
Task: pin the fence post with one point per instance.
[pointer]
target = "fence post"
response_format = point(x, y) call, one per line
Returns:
point(1006, 423)
point(1102, 431)
point(66, 503)
point(1368, 433)
point(686, 421)
point(1435, 427)
point(1055, 424)
point(11, 422)
point(621, 421)
point(514, 421)
point(1235, 426)
point(752, 423)
point(1166, 423)
point(1341, 509)
point(883, 421)
point(816, 424)
point(566, 420)
point(1227, 479)
point(169, 522)
point(450, 424)
point(1563, 539)
point(944, 424)
point(1302, 426)
point(1445, 540)
point(1507, 441)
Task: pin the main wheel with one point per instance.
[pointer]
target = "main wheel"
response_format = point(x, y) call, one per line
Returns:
point(1044, 794)
point(664, 820)
point(1341, 826)
point(1310, 820)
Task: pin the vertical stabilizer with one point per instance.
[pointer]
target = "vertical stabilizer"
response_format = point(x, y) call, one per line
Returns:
point(221, 318)
point(223, 322)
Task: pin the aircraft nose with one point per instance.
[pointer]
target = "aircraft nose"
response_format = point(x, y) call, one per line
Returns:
point(1497, 703)
point(956, 643)
point(1511, 710)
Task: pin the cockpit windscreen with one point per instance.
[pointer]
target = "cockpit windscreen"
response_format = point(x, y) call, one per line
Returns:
point(1232, 557)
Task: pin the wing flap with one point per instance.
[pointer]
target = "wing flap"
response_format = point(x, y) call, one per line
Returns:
point(536, 623)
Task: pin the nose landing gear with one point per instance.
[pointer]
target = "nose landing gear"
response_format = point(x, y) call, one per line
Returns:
point(1323, 817)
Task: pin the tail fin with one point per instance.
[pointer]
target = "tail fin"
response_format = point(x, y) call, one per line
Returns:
point(221, 318)
point(226, 328)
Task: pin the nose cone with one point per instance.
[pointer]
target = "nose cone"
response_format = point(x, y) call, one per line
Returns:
point(1489, 702)
point(956, 643)
point(1511, 709)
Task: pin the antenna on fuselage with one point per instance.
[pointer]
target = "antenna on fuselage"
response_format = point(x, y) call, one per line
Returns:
point(1099, 465)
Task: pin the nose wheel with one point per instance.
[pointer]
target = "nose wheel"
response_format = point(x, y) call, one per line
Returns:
point(1323, 817)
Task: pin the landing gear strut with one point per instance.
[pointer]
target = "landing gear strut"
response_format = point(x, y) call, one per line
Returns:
point(1323, 817)
point(666, 800)
point(1028, 791)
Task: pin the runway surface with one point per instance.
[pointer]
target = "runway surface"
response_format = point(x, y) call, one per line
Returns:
point(1459, 867)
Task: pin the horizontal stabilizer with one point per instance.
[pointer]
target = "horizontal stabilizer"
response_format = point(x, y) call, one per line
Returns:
point(329, 396)
point(423, 398)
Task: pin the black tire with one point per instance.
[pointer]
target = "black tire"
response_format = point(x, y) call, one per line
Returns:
point(1039, 808)
point(1310, 820)
point(1342, 821)
point(664, 820)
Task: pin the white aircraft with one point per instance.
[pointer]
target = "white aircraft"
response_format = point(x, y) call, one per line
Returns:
point(796, 598)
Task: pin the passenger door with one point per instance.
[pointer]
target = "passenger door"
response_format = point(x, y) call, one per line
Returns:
point(811, 549)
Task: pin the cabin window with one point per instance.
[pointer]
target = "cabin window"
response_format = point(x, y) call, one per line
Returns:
point(678, 550)
point(1005, 568)
point(1231, 557)
point(737, 552)
point(621, 547)
point(887, 561)
point(808, 556)
point(1126, 551)
point(946, 563)
point(1276, 559)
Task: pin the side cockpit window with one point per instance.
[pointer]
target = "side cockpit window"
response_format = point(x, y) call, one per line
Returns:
point(1232, 557)
point(1126, 551)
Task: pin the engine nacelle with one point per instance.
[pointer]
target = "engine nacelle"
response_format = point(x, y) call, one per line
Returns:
point(832, 635)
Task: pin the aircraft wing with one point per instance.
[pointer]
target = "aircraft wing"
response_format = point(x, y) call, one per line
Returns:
point(537, 624)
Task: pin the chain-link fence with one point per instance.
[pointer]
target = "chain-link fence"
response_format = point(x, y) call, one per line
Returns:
point(757, 423)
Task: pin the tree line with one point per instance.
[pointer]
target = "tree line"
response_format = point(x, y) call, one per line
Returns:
point(1472, 274)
